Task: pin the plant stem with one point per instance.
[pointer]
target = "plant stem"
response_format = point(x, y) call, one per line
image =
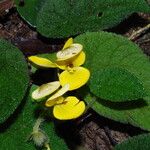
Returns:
point(37, 124)
point(47, 146)
point(90, 104)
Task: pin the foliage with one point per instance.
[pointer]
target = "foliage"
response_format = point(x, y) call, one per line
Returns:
point(133, 112)
point(29, 10)
point(108, 51)
point(14, 136)
point(135, 143)
point(62, 18)
point(14, 79)
point(116, 84)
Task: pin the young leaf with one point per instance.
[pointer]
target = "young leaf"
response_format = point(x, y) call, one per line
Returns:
point(135, 143)
point(110, 50)
point(116, 84)
point(14, 79)
point(62, 18)
point(15, 133)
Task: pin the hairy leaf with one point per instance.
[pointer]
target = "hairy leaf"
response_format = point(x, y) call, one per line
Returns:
point(110, 50)
point(15, 132)
point(29, 10)
point(62, 18)
point(132, 112)
point(13, 79)
point(135, 143)
point(116, 84)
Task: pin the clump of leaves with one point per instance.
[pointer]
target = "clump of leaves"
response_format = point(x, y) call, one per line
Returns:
point(118, 88)
point(119, 85)
point(17, 134)
point(61, 18)
point(18, 114)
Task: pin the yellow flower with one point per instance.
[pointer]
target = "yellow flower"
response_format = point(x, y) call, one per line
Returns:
point(69, 59)
point(71, 108)
point(63, 108)
point(76, 77)
point(45, 90)
point(73, 76)
point(57, 96)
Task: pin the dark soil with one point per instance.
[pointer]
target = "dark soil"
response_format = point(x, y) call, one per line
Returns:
point(91, 132)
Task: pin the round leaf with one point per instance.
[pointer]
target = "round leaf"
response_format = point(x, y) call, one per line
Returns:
point(14, 79)
point(133, 112)
point(15, 133)
point(105, 50)
point(116, 84)
point(62, 18)
point(29, 10)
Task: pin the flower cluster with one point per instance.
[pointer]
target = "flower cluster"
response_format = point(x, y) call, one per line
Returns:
point(72, 77)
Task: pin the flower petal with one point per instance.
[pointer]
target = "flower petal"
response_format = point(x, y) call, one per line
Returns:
point(79, 60)
point(75, 62)
point(53, 102)
point(41, 62)
point(70, 52)
point(71, 108)
point(75, 78)
point(68, 43)
point(60, 92)
point(45, 90)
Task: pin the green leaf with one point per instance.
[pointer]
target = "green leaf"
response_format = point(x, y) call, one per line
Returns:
point(14, 133)
point(116, 84)
point(62, 18)
point(14, 79)
point(50, 56)
point(133, 112)
point(105, 50)
point(140, 142)
point(29, 10)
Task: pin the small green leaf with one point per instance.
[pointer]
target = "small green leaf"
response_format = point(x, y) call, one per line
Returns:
point(110, 50)
point(62, 18)
point(140, 142)
point(116, 84)
point(15, 132)
point(14, 79)
point(29, 10)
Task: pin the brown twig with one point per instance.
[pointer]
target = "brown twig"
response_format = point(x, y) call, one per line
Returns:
point(139, 32)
